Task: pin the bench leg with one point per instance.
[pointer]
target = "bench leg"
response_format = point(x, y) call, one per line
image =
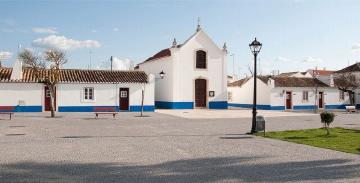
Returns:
point(96, 116)
point(10, 116)
point(114, 116)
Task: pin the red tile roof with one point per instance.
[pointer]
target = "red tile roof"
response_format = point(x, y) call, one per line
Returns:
point(80, 76)
point(163, 53)
point(322, 72)
point(284, 82)
point(298, 82)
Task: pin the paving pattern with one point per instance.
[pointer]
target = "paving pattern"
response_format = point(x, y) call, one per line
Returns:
point(163, 148)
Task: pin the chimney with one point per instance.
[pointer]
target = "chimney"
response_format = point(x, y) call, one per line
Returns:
point(17, 71)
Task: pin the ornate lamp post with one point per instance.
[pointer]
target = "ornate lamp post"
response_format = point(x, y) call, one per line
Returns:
point(255, 48)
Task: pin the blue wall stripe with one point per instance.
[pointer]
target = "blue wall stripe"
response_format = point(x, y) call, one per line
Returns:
point(259, 106)
point(335, 106)
point(174, 105)
point(147, 108)
point(24, 109)
point(218, 105)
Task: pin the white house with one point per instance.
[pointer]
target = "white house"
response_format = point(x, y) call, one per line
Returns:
point(78, 90)
point(195, 74)
point(286, 93)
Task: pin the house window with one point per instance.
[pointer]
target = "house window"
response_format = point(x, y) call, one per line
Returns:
point(341, 95)
point(88, 93)
point(305, 96)
point(200, 59)
point(229, 96)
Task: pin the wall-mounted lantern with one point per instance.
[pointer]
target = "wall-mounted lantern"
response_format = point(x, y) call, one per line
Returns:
point(162, 74)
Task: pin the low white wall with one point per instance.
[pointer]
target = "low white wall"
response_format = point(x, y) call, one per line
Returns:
point(26, 94)
point(104, 94)
point(244, 94)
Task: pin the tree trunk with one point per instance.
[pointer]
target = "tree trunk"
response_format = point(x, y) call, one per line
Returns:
point(327, 130)
point(351, 97)
point(316, 101)
point(52, 100)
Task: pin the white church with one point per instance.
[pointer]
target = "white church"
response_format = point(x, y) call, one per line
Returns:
point(195, 74)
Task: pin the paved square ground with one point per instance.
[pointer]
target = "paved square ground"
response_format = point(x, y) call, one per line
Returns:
point(163, 148)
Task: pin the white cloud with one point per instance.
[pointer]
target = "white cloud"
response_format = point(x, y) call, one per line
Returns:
point(118, 64)
point(63, 43)
point(116, 29)
point(45, 30)
point(4, 55)
point(312, 60)
point(355, 47)
point(94, 31)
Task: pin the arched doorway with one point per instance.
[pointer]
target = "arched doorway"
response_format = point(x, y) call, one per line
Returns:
point(200, 93)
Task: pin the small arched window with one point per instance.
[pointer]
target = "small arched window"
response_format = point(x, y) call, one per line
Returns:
point(200, 59)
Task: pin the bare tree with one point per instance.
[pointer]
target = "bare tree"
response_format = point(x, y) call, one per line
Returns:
point(54, 60)
point(347, 82)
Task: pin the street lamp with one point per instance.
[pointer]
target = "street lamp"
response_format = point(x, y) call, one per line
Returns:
point(162, 74)
point(255, 48)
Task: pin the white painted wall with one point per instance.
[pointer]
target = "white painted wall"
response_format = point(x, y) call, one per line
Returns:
point(275, 96)
point(185, 72)
point(179, 81)
point(105, 94)
point(244, 94)
point(29, 94)
point(163, 89)
point(32, 94)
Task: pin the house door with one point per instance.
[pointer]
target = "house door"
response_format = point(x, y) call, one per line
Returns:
point(47, 99)
point(124, 98)
point(288, 100)
point(321, 100)
point(200, 93)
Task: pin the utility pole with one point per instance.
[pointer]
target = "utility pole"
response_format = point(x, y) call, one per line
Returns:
point(111, 63)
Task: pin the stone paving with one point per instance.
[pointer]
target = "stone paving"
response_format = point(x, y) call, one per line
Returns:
point(75, 147)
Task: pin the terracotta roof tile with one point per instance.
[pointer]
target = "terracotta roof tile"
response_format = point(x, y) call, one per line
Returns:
point(297, 82)
point(163, 53)
point(80, 76)
point(238, 83)
point(284, 82)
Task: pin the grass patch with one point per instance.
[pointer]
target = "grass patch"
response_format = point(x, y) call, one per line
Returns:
point(340, 139)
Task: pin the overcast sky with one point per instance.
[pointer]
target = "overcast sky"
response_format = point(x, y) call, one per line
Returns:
point(296, 34)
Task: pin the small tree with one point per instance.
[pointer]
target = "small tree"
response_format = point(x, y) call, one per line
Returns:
point(327, 118)
point(348, 83)
point(54, 59)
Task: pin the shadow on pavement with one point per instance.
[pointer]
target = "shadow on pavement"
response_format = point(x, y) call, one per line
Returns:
point(190, 170)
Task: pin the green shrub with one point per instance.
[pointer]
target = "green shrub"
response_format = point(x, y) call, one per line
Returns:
point(327, 118)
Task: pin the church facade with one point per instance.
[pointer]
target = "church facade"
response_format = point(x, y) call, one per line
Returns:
point(195, 74)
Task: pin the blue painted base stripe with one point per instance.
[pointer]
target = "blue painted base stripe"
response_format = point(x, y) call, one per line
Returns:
point(335, 106)
point(147, 108)
point(174, 105)
point(262, 107)
point(24, 109)
point(296, 107)
point(218, 105)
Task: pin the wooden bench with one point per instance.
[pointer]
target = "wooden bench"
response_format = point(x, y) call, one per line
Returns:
point(104, 110)
point(350, 108)
point(7, 110)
